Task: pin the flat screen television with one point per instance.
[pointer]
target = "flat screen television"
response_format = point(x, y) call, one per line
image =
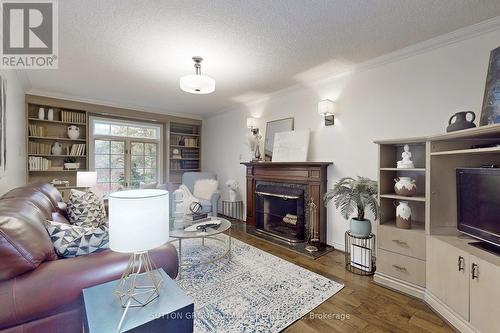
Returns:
point(478, 194)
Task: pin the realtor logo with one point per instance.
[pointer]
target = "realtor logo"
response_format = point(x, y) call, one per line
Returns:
point(29, 34)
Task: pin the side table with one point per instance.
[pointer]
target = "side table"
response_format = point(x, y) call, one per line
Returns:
point(232, 209)
point(173, 311)
point(360, 254)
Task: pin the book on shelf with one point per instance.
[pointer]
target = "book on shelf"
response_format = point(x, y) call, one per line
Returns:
point(38, 163)
point(39, 148)
point(180, 140)
point(77, 149)
point(181, 165)
point(35, 130)
point(73, 117)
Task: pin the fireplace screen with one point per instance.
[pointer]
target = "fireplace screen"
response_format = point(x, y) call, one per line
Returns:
point(280, 212)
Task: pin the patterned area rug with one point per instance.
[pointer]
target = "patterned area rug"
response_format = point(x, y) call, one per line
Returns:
point(253, 291)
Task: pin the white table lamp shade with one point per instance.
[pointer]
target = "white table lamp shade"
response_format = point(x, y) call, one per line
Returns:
point(138, 220)
point(86, 178)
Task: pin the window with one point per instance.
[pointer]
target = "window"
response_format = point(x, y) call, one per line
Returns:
point(124, 153)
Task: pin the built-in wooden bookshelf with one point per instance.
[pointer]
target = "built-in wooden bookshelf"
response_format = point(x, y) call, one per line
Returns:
point(41, 136)
point(184, 150)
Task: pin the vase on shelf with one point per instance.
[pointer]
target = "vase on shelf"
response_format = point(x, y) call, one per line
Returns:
point(73, 132)
point(50, 114)
point(403, 214)
point(41, 113)
point(57, 148)
point(405, 186)
point(461, 121)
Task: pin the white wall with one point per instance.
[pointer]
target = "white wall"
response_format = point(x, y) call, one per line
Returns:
point(413, 96)
point(15, 174)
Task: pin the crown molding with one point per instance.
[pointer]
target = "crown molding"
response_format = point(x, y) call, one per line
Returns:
point(109, 104)
point(428, 45)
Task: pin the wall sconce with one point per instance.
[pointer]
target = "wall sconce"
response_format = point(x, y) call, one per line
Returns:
point(327, 108)
point(252, 125)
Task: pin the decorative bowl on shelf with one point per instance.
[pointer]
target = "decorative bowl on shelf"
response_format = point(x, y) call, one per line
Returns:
point(71, 166)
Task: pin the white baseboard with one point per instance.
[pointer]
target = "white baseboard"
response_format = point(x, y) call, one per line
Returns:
point(448, 314)
point(399, 285)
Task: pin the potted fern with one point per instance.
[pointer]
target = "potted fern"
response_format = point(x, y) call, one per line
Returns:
point(351, 194)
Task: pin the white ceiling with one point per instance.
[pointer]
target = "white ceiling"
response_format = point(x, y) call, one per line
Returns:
point(132, 53)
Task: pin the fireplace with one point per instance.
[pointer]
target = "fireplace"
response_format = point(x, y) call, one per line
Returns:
point(285, 203)
point(280, 211)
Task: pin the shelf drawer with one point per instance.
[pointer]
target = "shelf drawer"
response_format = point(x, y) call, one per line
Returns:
point(401, 267)
point(407, 242)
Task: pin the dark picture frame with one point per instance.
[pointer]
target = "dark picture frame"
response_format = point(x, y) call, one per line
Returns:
point(490, 112)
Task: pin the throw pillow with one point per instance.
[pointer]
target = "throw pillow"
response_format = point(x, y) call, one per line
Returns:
point(72, 240)
point(205, 188)
point(86, 208)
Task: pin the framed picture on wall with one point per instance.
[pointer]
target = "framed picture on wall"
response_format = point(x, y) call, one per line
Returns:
point(490, 113)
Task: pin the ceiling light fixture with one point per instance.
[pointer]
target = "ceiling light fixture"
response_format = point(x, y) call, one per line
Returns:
point(197, 84)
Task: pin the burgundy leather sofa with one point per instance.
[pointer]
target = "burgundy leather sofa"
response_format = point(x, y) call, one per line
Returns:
point(40, 292)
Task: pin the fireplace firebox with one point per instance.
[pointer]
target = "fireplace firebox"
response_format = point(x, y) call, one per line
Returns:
point(279, 211)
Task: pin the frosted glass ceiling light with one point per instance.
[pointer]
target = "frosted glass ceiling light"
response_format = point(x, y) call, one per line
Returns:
point(197, 84)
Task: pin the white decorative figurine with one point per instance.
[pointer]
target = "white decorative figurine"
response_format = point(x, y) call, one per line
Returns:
point(406, 162)
point(233, 187)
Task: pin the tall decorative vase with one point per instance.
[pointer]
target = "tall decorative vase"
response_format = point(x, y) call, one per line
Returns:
point(50, 114)
point(41, 113)
point(403, 214)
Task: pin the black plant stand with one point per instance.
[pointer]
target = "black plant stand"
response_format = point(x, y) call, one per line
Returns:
point(360, 254)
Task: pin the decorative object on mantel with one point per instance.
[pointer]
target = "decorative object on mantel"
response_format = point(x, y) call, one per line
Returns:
point(326, 108)
point(405, 186)
point(350, 194)
point(360, 254)
point(41, 113)
point(313, 236)
point(57, 148)
point(403, 214)
point(291, 146)
point(254, 138)
point(490, 113)
point(232, 188)
point(197, 83)
point(73, 132)
point(461, 121)
point(406, 162)
point(273, 127)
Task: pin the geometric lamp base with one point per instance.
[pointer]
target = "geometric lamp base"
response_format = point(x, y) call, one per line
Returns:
point(137, 289)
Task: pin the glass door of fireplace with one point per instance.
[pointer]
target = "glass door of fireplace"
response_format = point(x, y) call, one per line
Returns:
point(280, 212)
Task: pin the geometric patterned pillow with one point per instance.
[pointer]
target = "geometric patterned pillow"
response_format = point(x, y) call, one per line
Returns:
point(86, 208)
point(72, 240)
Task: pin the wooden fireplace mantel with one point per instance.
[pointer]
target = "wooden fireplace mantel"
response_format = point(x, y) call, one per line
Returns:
point(311, 174)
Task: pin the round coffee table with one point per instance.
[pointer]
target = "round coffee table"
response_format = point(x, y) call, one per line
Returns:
point(180, 233)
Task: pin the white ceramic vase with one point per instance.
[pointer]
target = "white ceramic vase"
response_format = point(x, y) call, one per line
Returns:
point(403, 214)
point(50, 114)
point(73, 132)
point(57, 148)
point(41, 113)
point(405, 186)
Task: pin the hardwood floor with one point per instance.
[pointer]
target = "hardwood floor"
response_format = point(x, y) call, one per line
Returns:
point(361, 306)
